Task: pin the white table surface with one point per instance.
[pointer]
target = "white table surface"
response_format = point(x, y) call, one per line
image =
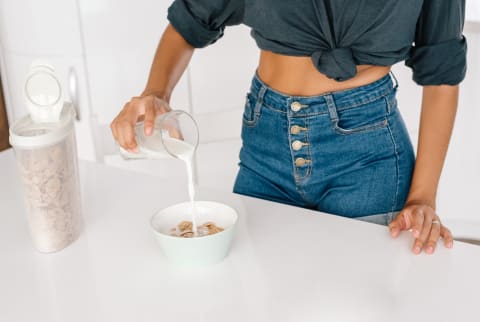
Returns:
point(286, 264)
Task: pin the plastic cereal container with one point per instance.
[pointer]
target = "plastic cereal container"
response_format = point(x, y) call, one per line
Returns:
point(45, 150)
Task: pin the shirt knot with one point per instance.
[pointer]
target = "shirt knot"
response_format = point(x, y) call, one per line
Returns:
point(336, 63)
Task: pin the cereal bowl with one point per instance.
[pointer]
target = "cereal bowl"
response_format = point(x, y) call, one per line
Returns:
point(195, 251)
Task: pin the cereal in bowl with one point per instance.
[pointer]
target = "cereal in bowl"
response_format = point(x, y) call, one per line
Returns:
point(185, 229)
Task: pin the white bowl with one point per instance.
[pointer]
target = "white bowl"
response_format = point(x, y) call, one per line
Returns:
point(199, 250)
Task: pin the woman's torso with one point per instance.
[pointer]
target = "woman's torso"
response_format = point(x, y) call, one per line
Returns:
point(297, 76)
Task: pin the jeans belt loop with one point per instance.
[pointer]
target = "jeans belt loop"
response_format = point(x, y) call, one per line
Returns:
point(395, 80)
point(332, 108)
point(259, 104)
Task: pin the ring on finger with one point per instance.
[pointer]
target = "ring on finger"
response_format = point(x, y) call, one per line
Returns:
point(435, 222)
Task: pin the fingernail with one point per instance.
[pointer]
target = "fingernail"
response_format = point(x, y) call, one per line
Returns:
point(429, 249)
point(416, 249)
point(148, 130)
point(449, 244)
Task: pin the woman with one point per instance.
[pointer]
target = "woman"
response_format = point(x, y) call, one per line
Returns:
point(321, 127)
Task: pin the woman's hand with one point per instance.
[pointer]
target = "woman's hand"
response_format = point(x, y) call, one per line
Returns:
point(425, 225)
point(144, 107)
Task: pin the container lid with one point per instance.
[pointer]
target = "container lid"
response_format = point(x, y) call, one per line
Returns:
point(50, 120)
point(27, 133)
point(43, 93)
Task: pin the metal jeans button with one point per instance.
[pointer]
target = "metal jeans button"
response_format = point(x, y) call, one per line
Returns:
point(297, 145)
point(296, 106)
point(295, 129)
point(300, 162)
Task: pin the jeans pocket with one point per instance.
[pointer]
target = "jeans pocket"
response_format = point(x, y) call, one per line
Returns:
point(363, 118)
point(251, 112)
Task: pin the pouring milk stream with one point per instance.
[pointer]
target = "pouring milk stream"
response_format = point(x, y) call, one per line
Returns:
point(185, 152)
point(175, 133)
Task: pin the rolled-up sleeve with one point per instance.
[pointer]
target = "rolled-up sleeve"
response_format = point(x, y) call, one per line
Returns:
point(202, 22)
point(439, 54)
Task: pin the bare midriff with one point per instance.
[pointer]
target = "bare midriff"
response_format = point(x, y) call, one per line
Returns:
point(297, 76)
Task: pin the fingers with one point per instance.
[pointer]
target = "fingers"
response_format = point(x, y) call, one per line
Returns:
point(113, 126)
point(123, 128)
point(401, 222)
point(447, 236)
point(151, 106)
point(425, 225)
point(149, 120)
point(422, 227)
point(396, 226)
point(127, 136)
point(418, 221)
point(114, 130)
point(434, 236)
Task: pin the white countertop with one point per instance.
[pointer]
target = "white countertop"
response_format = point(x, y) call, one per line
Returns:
point(286, 264)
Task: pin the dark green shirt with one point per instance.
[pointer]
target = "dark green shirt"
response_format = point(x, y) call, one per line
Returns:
point(340, 34)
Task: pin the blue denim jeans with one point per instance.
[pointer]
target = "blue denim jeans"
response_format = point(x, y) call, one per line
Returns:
point(346, 153)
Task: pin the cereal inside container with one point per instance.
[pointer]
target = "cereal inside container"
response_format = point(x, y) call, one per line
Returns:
point(47, 164)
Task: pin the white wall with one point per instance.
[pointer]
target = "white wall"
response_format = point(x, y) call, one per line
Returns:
point(43, 29)
point(119, 40)
point(473, 10)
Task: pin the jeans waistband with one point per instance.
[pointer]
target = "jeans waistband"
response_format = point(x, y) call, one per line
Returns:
point(311, 105)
